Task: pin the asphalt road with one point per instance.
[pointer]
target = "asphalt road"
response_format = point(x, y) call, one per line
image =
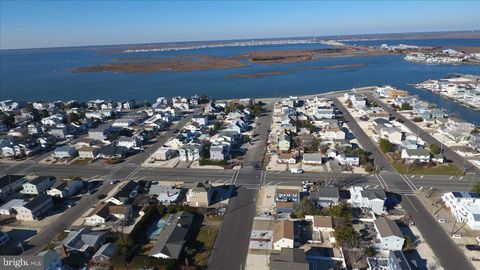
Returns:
point(450, 256)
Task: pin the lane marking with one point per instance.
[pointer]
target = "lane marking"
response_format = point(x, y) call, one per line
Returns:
point(384, 182)
point(380, 181)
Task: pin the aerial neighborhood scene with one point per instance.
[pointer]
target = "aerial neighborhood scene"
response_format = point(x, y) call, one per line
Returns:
point(251, 135)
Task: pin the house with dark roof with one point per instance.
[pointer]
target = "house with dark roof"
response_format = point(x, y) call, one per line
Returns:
point(398, 261)
point(200, 195)
point(125, 194)
point(83, 240)
point(288, 259)
point(10, 183)
point(35, 208)
point(171, 240)
point(325, 196)
point(38, 185)
point(104, 253)
point(373, 199)
point(112, 152)
point(65, 189)
point(389, 236)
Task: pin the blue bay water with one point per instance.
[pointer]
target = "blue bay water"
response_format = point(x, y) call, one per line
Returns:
point(44, 75)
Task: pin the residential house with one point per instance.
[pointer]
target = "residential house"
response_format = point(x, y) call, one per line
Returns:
point(164, 153)
point(415, 155)
point(59, 132)
point(112, 152)
point(105, 212)
point(465, 207)
point(100, 133)
point(284, 141)
point(332, 134)
point(474, 141)
point(369, 198)
point(35, 208)
point(348, 159)
point(219, 152)
point(285, 234)
point(325, 196)
point(10, 207)
point(285, 199)
point(288, 259)
point(104, 253)
point(125, 194)
point(200, 195)
point(172, 238)
point(321, 223)
point(200, 119)
point(166, 194)
point(10, 183)
point(129, 142)
point(88, 152)
point(65, 188)
point(84, 240)
point(50, 260)
point(398, 261)
point(123, 123)
point(393, 134)
point(287, 158)
point(65, 152)
point(38, 185)
point(312, 158)
point(190, 152)
point(389, 236)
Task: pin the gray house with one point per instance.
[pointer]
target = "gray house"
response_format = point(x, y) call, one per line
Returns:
point(288, 259)
point(389, 236)
point(172, 238)
point(474, 141)
point(325, 196)
point(219, 152)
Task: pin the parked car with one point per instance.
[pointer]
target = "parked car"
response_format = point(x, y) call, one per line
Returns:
point(441, 220)
point(456, 236)
point(473, 247)
point(296, 170)
point(113, 181)
point(101, 196)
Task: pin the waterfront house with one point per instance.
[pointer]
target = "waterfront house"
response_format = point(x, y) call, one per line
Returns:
point(170, 242)
point(35, 208)
point(389, 236)
point(415, 155)
point(285, 234)
point(38, 185)
point(65, 152)
point(10, 183)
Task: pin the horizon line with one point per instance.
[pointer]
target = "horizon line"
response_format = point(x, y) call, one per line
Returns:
point(236, 39)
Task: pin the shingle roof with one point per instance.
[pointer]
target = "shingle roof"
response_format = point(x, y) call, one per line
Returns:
point(387, 228)
point(284, 229)
point(37, 201)
point(9, 179)
point(288, 259)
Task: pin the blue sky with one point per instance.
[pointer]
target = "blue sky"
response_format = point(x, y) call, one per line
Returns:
point(33, 24)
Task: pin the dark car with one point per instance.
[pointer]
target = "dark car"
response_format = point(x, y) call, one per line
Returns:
point(473, 247)
point(101, 196)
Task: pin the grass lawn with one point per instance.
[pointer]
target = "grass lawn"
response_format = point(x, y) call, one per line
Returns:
point(80, 161)
point(206, 236)
point(441, 169)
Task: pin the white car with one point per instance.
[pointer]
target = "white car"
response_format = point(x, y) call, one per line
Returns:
point(456, 236)
point(441, 220)
point(296, 170)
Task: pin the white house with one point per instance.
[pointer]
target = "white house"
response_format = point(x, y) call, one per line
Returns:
point(312, 158)
point(413, 155)
point(164, 153)
point(190, 152)
point(370, 198)
point(285, 235)
point(33, 209)
point(350, 160)
point(129, 142)
point(389, 236)
point(65, 152)
point(465, 207)
point(65, 189)
point(38, 185)
point(10, 207)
